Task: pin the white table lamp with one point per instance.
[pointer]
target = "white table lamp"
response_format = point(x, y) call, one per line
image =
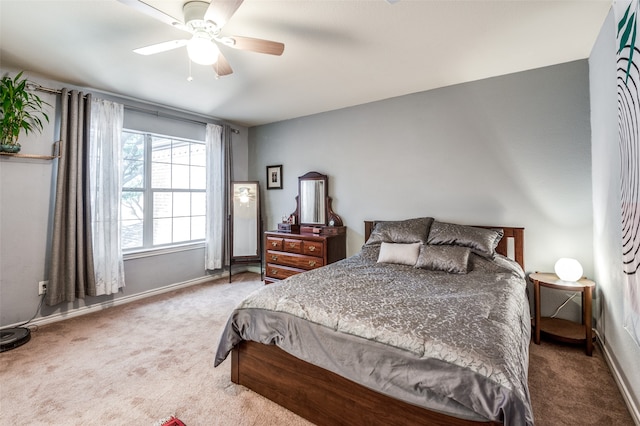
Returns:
point(568, 269)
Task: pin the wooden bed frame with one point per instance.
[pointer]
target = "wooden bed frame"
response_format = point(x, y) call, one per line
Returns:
point(326, 398)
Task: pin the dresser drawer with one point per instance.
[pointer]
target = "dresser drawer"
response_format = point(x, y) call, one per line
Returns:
point(292, 245)
point(313, 248)
point(295, 260)
point(274, 243)
point(280, 272)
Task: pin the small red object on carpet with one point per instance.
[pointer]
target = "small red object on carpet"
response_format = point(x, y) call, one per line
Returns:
point(172, 421)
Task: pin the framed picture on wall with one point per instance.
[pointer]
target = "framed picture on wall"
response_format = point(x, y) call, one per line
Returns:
point(274, 177)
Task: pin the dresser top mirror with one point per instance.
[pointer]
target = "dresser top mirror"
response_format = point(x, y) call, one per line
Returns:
point(313, 201)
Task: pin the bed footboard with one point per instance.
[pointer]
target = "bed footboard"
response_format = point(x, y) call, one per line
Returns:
point(321, 396)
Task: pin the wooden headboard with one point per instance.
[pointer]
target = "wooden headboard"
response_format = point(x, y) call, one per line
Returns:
point(510, 234)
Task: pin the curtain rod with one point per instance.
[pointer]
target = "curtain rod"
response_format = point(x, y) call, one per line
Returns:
point(34, 86)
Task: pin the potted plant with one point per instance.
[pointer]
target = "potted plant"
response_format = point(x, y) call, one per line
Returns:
point(20, 110)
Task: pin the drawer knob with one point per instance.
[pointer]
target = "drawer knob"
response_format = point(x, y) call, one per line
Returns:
point(274, 272)
point(292, 245)
point(274, 243)
point(274, 257)
point(312, 248)
point(312, 263)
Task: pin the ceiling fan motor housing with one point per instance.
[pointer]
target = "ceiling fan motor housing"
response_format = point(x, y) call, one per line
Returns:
point(194, 11)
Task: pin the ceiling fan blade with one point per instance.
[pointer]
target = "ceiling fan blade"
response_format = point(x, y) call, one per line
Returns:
point(161, 47)
point(256, 45)
point(219, 11)
point(222, 67)
point(152, 11)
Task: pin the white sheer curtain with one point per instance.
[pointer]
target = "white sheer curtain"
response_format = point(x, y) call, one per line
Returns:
point(105, 187)
point(216, 206)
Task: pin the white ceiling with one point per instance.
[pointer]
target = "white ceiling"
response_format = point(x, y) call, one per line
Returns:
point(337, 53)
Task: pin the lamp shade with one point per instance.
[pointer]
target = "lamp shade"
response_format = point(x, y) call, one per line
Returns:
point(568, 269)
point(202, 50)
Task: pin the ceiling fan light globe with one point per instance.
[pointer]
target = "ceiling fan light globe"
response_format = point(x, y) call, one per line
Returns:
point(202, 51)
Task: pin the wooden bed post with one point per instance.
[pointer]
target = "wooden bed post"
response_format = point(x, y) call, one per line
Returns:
point(235, 365)
point(368, 227)
point(518, 238)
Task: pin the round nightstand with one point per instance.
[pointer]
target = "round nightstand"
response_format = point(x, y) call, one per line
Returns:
point(561, 329)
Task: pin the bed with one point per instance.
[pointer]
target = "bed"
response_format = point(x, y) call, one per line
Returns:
point(388, 336)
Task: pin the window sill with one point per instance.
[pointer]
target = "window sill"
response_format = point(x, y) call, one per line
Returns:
point(138, 254)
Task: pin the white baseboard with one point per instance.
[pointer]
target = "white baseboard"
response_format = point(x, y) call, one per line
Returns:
point(618, 377)
point(84, 310)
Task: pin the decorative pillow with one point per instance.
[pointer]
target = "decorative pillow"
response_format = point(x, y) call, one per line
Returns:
point(452, 259)
point(402, 254)
point(481, 241)
point(403, 231)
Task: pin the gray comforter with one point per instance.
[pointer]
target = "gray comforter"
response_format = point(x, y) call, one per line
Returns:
point(457, 344)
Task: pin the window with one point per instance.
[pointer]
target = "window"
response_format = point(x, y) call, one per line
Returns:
point(164, 191)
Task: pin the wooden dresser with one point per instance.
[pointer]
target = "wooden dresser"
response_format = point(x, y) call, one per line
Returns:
point(288, 254)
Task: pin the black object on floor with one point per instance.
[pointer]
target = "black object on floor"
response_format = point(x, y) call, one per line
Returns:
point(13, 337)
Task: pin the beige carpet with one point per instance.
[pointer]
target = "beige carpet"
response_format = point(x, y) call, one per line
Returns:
point(137, 363)
point(569, 388)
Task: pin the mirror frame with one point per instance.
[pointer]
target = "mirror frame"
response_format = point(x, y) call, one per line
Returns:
point(330, 216)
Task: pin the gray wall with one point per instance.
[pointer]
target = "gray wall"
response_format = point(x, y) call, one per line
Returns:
point(511, 150)
point(607, 218)
point(26, 200)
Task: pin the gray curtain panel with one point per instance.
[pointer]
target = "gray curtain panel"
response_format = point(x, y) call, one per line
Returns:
point(71, 273)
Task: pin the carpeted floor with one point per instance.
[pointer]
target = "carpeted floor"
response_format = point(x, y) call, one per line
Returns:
point(569, 388)
point(147, 360)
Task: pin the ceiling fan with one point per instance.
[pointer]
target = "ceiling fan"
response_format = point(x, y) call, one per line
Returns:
point(204, 21)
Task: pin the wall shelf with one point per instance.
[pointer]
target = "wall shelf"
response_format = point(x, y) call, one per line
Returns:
point(35, 156)
point(41, 157)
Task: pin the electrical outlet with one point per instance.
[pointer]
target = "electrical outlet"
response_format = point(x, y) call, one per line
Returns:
point(42, 287)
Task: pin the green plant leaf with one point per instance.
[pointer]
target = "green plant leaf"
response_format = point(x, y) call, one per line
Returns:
point(20, 109)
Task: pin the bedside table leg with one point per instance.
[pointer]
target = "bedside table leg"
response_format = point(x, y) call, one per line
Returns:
point(536, 308)
point(586, 316)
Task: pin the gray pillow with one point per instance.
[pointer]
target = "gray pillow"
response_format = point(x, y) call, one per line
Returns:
point(403, 231)
point(481, 241)
point(452, 259)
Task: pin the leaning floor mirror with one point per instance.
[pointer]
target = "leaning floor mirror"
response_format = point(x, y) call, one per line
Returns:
point(245, 224)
